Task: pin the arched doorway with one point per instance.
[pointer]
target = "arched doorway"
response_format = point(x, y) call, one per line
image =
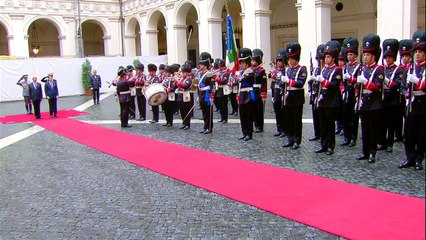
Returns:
point(162, 36)
point(44, 36)
point(133, 38)
point(4, 45)
point(187, 34)
point(93, 38)
point(156, 34)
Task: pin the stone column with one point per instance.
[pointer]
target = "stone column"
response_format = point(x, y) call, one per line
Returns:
point(144, 36)
point(181, 43)
point(396, 19)
point(263, 34)
point(171, 38)
point(215, 36)
point(112, 40)
point(130, 46)
point(19, 48)
point(203, 27)
point(68, 43)
point(151, 44)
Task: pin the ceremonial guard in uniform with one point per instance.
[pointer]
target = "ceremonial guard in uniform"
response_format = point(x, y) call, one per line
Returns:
point(222, 90)
point(205, 93)
point(169, 104)
point(161, 74)
point(313, 88)
point(329, 96)
point(152, 78)
point(350, 74)
point(132, 106)
point(185, 96)
point(123, 90)
point(293, 95)
point(341, 62)
point(23, 82)
point(391, 94)
point(277, 91)
point(370, 102)
point(415, 127)
point(405, 54)
point(233, 85)
point(246, 97)
point(139, 80)
point(260, 88)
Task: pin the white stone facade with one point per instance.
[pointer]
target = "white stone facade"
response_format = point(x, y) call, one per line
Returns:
point(152, 27)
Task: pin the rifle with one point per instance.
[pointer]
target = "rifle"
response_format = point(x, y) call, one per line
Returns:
point(284, 90)
point(311, 66)
point(410, 91)
point(360, 88)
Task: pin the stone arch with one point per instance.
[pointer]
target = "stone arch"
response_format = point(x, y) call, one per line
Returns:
point(59, 24)
point(157, 35)
point(48, 37)
point(182, 10)
point(4, 41)
point(187, 31)
point(94, 36)
point(153, 17)
point(133, 37)
point(216, 6)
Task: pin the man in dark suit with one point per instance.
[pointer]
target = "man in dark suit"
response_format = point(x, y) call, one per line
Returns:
point(36, 95)
point(95, 85)
point(52, 93)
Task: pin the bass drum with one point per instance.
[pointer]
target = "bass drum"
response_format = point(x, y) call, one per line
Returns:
point(155, 94)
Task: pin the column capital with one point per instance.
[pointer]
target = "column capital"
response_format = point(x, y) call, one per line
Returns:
point(298, 6)
point(130, 36)
point(106, 37)
point(152, 32)
point(179, 27)
point(60, 37)
point(259, 13)
point(9, 37)
point(323, 3)
point(242, 15)
point(215, 20)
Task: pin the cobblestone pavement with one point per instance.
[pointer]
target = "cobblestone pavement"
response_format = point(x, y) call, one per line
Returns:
point(54, 188)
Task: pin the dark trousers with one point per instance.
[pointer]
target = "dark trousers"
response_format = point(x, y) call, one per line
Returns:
point(350, 121)
point(370, 131)
point(207, 111)
point(293, 120)
point(132, 107)
point(327, 127)
point(234, 103)
point(184, 108)
point(36, 104)
point(246, 118)
point(141, 100)
point(222, 103)
point(388, 126)
point(415, 137)
point(53, 106)
point(258, 117)
point(124, 113)
point(316, 120)
point(155, 113)
point(169, 108)
point(400, 120)
point(28, 105)
point(96, 95)
point(279, 116)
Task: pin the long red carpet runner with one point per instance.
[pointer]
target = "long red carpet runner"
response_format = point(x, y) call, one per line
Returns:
point(44, 116)
point(340, 208)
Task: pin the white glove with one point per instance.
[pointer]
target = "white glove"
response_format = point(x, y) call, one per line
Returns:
point(346, 76)
point(412, 78)
point(285, 79)
point(361, 79)
point(386, 81)
point(320, 79)
point(312, 78)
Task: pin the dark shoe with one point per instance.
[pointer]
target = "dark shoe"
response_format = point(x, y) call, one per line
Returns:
point(257, 130)
point(399, 139)
point(381, 147)
point(389, 149)
point(362, 157)
point(314, 139)
point(153, 121)
point(418, 165)
point(98, 103)
point(221, 120)
point(169, 125)
point(289, 144)
point(201, 118)
point(127, 126)
point(186, 128)
point(277, 134)
point(372, 158)
point(338, 131)
point(202, 131)
point(182, 127)
point(345, 143)
point(295, 146)
point(232, 113)
point(141, 119)
point(242, 137)
point(406, 164)
point(225, 121)
point(330, 151)
point(283, 135)
point(236, 114)
point(352, 144)
point(131, 117)
point(166, 124)
point(321, 150)
point(208, 131)
point(247, 138)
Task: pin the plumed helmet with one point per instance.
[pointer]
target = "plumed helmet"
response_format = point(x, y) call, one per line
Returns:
point(293, 50)
point(342, 54)
point(245, 55)
point(176, 67)
point(162, 66)
point(121, 71)
point(257, 55)
point(406, 47)
point(320, 52)
point(390, 47)
point(419, 40)
point(281, 55)
point(130, 68)
point(169, 69)
point(186, 68)
point(152, 67)
point(371, 44)
point(205, 59)
point(140, 66)
point(190, 63)
point(351, 44)
point(332, 48)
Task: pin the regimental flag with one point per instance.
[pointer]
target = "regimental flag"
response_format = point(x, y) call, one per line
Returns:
point(231, 46)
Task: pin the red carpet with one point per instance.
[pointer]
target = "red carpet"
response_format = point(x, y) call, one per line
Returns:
point(336, 207)
point(44, 115)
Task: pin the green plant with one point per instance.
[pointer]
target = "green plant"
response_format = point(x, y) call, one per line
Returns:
point(86, 69)
point(136, 62)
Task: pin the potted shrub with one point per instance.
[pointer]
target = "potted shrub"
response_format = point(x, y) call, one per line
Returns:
point(86, 70)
